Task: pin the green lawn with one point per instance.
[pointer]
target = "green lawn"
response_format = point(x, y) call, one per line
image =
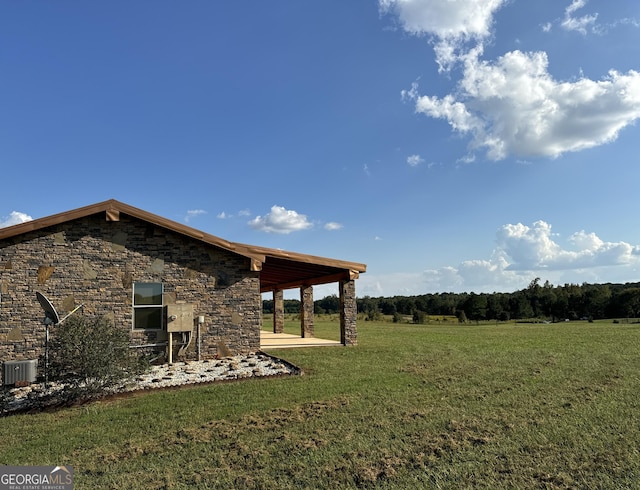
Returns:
point(413, 406)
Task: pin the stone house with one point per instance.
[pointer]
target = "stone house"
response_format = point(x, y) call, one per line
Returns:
point(166, 283)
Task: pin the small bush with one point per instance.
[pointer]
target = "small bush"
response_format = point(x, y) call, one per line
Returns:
point(89, 357)
point(373, 316)
point(419, 317)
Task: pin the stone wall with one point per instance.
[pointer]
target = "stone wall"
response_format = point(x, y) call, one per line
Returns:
point(94, 262)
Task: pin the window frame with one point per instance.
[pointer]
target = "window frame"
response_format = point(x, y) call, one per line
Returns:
point(153, 306)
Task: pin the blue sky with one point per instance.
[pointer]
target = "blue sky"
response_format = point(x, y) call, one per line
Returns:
point(450, 145)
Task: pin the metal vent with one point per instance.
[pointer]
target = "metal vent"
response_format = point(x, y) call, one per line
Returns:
point(15, 371)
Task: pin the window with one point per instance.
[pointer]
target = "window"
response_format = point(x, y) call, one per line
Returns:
point(147, 305)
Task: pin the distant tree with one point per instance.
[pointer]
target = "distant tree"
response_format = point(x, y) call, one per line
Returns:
point(597, 297)
point(560, 307)
point(369, 306)
point(387, 306)
point(535, 301)
point(406, 305)
point(267, 306)
point(534, 296)
point(519, 306)
point(328, 304)
point(475, 306)
point(292, 306)
point(628, 303)
point(366, 304)
point(547, 300)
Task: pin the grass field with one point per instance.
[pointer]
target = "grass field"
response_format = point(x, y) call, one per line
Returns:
point(413, 406)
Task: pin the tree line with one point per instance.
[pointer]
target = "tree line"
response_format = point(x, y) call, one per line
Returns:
point(536, 301)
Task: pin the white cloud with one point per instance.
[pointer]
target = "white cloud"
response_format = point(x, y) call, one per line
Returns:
point(332, 226)
point(579, 24)
point(192, 213)
point(452, 23)
point(444, 18)
point(479, 276)
point(415, 160)
point(280, 220)
point(513, 106)
point(533, 248)
point(15, 218)
point(393, 284)
point(225, 215)
point(523, 253)
point(627, 21)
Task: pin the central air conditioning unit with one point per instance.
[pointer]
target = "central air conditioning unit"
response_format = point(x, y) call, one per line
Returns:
point(19, 371)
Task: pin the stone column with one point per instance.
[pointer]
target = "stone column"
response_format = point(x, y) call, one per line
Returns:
point(348, 313)
point(278, 311)
point(306, 311)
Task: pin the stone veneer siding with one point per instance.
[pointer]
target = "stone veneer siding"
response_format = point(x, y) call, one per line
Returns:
point(278, 311)
point(306, 312)
point(348, 313)
point(95, 262)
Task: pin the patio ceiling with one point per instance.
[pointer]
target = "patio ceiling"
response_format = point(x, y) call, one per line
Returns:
point(282, 273)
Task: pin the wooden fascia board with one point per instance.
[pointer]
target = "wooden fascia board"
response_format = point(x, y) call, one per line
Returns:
point(171, 225)
point(256, 259)
point(55, 219)
point(307, 259)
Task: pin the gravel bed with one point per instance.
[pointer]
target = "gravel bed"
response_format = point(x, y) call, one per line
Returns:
point(22, 399)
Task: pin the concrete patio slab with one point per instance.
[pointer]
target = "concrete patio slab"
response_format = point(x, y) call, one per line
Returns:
point(270, 340)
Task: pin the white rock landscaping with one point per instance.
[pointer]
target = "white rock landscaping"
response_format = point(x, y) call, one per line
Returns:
point(165, 376)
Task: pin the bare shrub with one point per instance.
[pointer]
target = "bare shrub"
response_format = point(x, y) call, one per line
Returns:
point(90, 356)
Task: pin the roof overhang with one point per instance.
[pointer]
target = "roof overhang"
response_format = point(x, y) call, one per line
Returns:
point(278, 269)
point(280, 273)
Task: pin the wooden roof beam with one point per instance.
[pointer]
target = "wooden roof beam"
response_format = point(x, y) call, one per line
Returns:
point(315, 281)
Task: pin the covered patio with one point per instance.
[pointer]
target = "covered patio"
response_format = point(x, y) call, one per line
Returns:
point(280, 270)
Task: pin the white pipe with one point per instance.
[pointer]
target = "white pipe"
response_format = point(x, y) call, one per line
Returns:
point(200, 323)
point(157, 344)
point(198, 341)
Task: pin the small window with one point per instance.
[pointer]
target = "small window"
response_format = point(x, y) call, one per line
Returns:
point(147, 305)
